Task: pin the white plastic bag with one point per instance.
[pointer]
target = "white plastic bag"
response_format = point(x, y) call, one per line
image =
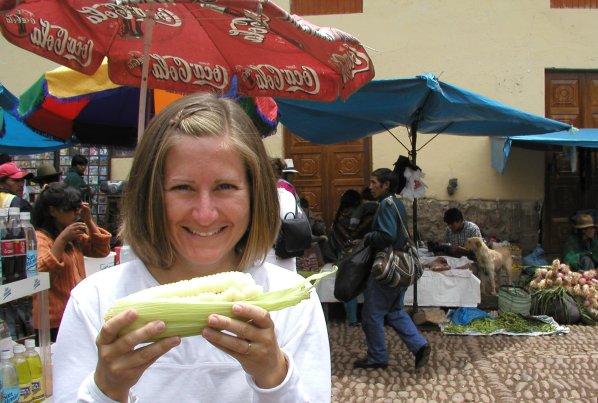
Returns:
point(415, 187)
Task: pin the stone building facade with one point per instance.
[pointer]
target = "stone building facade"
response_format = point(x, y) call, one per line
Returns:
point(506, 220)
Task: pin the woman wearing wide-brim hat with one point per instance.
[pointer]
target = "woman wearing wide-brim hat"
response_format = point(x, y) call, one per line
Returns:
point(581, 249)
point(45, 174)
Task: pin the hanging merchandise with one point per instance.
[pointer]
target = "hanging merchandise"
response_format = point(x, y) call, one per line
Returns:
point(399, 170)
point(30, 163)
point(415, 188)
point(98, 171)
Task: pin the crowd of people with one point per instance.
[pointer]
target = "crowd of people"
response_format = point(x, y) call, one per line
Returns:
point(65, 232)
point(205, 199)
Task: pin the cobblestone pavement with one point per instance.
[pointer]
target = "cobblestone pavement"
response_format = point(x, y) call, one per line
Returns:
point(470, 368)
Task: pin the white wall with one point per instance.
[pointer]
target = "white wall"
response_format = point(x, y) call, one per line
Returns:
point(497, 48)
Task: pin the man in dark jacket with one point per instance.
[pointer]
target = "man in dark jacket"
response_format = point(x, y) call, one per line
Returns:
point(381, 301)
point(75, 179)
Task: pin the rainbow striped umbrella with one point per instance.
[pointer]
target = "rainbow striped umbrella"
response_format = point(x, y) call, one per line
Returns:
point(93, 110)
point(18, 138)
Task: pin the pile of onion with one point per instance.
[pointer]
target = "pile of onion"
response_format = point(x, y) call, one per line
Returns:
point(582, 286)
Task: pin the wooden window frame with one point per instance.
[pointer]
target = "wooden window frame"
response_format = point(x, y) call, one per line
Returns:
point(573, 3)
point(326, 7)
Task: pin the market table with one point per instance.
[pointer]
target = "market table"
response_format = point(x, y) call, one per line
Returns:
point(94, 265)
point(450, 288)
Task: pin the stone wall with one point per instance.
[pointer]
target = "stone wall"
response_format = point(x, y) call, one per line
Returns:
point(511, 220)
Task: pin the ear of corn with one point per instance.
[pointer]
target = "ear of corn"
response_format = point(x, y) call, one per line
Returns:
point(185, 305)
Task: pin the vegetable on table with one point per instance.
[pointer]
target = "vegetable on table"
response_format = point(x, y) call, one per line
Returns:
point(184, 306)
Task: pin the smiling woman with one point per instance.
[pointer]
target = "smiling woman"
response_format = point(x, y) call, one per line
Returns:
point(201, 199)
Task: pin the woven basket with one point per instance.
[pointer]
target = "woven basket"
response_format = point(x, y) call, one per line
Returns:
point(514, 299)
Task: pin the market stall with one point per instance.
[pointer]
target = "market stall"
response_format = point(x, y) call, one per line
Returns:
point(456, 287)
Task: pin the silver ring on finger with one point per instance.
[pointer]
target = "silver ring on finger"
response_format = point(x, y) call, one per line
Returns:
point(248, 348)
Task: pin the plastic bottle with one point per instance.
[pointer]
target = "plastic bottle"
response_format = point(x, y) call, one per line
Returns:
point(20, 362)
point(3, 243)
point(31, 242)
point(10, 380)
point(16, 246)
point(18, 234)
point(36, 369)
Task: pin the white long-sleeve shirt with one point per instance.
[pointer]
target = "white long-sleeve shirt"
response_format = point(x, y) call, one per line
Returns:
point(194, 371)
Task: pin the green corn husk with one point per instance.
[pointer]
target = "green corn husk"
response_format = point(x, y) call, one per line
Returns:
point(186, 315)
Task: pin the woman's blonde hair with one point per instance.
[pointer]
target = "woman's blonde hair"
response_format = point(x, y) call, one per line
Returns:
point(144, 226)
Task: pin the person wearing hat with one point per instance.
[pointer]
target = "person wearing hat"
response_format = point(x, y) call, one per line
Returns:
point(12, 182)
point(288, 173)
point(581, 249)
point(288, 202)
point(46, 173)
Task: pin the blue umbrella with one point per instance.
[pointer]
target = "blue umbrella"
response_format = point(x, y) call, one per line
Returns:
point(15, 136)
point(422, 104)
point(501, 146)
point(587, 138)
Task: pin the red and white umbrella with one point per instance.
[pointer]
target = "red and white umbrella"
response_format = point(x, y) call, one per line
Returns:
point(193, 45)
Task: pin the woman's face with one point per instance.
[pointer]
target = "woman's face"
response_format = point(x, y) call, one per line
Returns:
point(64, 218)
point(207, 200)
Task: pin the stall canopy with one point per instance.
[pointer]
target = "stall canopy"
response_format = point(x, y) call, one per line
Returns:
point(566, 140)
point(18, 138)
point(422, 104)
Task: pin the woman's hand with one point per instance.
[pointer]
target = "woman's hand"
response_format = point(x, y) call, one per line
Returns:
point(120, 365)
point(73, 232)
point(85, 213)
point(254, 345)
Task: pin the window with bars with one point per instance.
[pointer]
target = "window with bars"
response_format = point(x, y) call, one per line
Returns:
point(573, 3)
point(320, 7)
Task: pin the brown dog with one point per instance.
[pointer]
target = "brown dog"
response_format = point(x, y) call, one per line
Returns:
point(490, 261)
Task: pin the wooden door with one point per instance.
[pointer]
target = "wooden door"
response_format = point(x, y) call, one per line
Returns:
point(571, 97)
point(326, 171)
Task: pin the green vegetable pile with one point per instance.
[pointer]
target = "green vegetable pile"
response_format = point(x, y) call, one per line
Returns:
point(507, 321)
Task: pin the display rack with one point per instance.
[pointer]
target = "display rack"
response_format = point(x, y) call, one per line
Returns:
point(39, 284)
point(30, 163)
point(25, 287)
point(98, 170)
